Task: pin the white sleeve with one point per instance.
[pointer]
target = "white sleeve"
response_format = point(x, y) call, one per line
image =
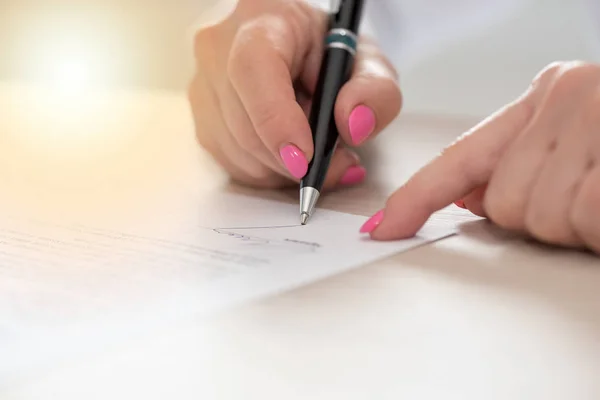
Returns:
point(592, 11)
point(366, 27)
point(408, 30)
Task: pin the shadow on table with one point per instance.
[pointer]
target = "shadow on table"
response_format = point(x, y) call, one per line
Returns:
point(567, 280)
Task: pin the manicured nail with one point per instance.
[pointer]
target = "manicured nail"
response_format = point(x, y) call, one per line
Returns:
point(362, 124)
point(372, 223)
point(353, 175)
point(294, 160)
point(460, 203)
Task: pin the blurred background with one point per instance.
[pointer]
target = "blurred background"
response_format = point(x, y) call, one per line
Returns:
point(129, 43)
point(148, 44)
point(476, 75)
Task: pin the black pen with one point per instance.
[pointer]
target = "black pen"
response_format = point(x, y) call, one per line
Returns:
point(336, 68)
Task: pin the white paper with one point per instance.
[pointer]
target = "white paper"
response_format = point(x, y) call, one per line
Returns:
point(67, 288)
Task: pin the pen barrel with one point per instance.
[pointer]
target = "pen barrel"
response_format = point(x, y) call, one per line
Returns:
point(348, 15)
point(335, 71)
point(341, 44)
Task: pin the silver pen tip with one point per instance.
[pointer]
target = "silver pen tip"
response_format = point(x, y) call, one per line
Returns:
point(304, 218)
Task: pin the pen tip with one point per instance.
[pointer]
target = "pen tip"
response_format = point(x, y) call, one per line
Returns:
point(303, 218)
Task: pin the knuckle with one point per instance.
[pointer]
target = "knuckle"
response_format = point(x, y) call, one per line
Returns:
point(549, 71)
point(468, 167)
point(243, 47)
point(297, 16)
point(296, 19)
point(250, 38)
point(473, 165)
point(542, 81)
point(573, 76)
point(576, 71)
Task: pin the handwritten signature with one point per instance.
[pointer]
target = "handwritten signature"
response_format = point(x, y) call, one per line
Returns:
point(255, 240)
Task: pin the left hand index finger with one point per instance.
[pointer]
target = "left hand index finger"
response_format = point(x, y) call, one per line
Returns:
point(464, 166)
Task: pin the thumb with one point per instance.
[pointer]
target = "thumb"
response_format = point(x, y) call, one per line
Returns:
point(465, 165)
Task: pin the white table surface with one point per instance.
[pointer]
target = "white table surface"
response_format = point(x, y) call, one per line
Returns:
point(480, 315)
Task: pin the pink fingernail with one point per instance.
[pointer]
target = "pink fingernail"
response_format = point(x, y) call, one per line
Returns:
point(372, 223)
point(294, 160)
point(354, 175)
point(362, 124)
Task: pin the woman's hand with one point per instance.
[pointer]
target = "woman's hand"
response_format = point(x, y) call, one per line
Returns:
point(533, 167)
point(252, 89)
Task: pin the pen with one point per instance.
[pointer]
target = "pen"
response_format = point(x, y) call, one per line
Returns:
point(336, 69)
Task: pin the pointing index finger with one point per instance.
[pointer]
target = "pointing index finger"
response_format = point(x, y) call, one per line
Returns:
point(465, 165)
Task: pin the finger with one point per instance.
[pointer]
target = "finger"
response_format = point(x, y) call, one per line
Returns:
point(345, 170)
point(585, 213)
point(551, 196)
point(371, 99)
point(201, 102)
point(212, 134)
point(259, 68)
point(464, 166)
point(510, 188)
point(584, 216)
point(474, 201)
point(239, 124)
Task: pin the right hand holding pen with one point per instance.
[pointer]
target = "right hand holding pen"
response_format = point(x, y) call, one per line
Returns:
point(251, 94)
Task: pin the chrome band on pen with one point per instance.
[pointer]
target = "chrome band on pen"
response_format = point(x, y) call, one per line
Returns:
point(342, 39)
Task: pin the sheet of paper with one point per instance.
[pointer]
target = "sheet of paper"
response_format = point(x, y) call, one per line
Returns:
point(69, 288)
